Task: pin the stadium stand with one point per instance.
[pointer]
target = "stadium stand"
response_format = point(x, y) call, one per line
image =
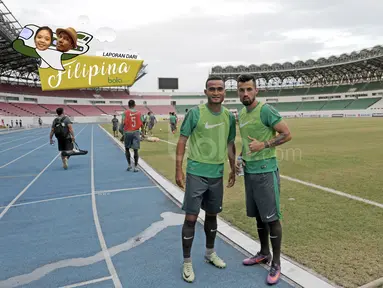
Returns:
point(350, 82)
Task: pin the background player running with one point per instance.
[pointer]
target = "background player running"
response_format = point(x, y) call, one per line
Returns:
point(144, 118)
point(173, 122)
point(132, 125)
point(115, 126)
point(258, 125)
point(211, 130)
point(152, 121)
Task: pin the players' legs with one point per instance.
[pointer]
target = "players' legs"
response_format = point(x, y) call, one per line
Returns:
point(136, 146)
point(127, 155)
point(268, 187)
point(263, 256)
point(195, 187)
point(276, 240)
point(64, 159)
point(212, 204)
point(273, 181)
point(128, 145)
point(65, 145)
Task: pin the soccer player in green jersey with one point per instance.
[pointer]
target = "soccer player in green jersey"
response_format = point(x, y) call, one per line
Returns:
point(173, 122)
point(211, 131)
point(259, 124)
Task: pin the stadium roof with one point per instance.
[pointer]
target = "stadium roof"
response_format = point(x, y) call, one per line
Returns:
point(361, 66)
point(20, 69)
point(13, 65)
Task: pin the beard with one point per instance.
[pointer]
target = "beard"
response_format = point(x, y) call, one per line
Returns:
point(248, 101)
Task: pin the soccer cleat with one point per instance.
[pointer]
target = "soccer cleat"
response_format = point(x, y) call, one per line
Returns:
point(129, 168)
point(187, 272)
point(274, 274)
point(215, 260)
point(257, 258)
point(135, 169)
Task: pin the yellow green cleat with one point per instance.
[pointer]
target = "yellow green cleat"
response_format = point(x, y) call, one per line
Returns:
point(188, 273)
point(215, 260)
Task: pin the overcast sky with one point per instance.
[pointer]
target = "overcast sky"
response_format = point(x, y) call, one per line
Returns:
point(186, 38)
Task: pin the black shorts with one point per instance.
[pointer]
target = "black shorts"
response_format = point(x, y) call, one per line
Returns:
point(203, 192)
point(262, 196)
point(115, 128)
point(132, 140)
point(65, 144)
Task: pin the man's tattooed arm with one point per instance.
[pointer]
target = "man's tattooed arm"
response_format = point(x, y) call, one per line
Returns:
point(283, 136)
point(278, 140)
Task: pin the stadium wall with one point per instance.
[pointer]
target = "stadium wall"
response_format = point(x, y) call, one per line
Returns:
point(332, 114)
point(29, 122)
point(151, 100)
point(80, 101)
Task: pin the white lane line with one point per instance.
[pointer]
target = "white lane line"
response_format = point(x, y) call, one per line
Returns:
point(169, 219)
point(9, 131)
point(30, 184)
point(126, 189)
point(13, 147)
point(17, 176)
point(22, 156)
point(108, 259)
point(326, 189)
point(26, 188)
point(29, 136)
point(50, 199)
point(88, 282)
point(81, 195)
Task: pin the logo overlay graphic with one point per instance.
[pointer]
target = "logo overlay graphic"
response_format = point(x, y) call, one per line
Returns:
point(64, 65)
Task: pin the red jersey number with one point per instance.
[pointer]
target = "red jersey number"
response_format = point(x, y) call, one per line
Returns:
point(132, 121)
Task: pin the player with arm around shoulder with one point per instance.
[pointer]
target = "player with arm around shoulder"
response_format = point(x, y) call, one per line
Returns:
point(262, 129)
point(210, 130)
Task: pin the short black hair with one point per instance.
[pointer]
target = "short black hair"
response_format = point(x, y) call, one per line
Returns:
point(245, 78)
point(131, 103)
point(60, 111)
point(214, 77)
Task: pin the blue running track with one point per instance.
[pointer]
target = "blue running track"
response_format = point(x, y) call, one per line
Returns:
point(96, 224)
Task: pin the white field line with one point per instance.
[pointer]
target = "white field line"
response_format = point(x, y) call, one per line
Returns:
point(326, 189)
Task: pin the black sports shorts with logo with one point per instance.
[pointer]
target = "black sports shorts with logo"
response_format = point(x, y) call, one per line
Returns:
point(262, 196)
point(203, 193)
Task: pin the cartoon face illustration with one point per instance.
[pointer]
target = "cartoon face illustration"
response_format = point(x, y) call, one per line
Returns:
point(43, 38)
point(26, 44)
point(66, 39)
